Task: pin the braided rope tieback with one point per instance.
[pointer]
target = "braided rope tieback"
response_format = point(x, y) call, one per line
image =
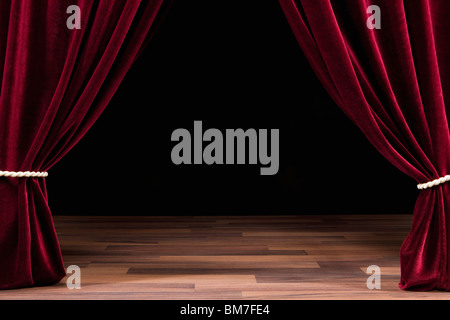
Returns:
point(433, 183)
point(25, 174)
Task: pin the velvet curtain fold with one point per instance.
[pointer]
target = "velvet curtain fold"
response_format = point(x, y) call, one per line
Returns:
point(394, 83)
point(55, 83)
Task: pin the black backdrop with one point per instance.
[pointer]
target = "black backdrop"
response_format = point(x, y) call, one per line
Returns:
point(231, 64)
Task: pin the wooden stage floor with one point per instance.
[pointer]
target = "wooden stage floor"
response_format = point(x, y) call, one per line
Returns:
point(230, 258)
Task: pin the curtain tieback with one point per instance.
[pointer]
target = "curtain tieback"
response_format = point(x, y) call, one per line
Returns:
point(26, 174)
point(433, 183)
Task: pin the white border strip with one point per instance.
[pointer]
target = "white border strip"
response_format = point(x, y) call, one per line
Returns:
point(433, 183)
point(26, 174)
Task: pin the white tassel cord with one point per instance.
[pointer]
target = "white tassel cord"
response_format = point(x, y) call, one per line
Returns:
point(25, 174)
point(34, 174)
point(433, 183)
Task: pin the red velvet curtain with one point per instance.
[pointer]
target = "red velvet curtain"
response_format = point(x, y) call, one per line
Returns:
point(394, 83)
point(55, 82)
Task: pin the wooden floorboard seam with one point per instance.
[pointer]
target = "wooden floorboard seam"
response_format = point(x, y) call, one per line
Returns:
point(304, 257)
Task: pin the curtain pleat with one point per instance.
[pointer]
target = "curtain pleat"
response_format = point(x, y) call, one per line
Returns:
point(55, 83)
point(393, 84)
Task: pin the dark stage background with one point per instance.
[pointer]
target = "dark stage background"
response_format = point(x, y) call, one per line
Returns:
point(231, 64)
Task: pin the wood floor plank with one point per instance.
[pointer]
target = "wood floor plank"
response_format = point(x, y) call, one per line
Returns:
point(230, 257)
